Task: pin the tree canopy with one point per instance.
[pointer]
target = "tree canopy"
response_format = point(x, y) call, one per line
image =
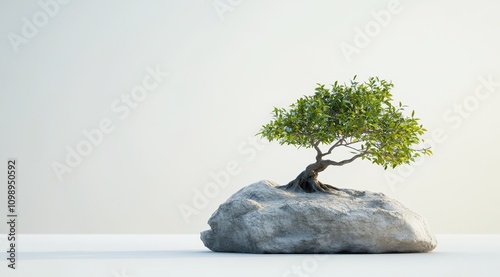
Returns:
point(359, 116)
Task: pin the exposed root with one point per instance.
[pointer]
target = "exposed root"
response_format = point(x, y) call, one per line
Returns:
point(309, 184)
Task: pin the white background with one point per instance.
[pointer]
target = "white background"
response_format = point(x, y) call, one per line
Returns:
point(229, 63)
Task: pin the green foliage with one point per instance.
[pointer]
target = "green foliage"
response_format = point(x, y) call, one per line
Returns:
point(359, 116)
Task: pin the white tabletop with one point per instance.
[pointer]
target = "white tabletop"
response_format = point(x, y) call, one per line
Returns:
point(185, 255)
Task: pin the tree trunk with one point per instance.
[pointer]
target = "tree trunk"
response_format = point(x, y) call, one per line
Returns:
point(307, 180)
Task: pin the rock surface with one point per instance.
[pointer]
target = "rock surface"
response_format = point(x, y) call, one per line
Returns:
point(261, 218)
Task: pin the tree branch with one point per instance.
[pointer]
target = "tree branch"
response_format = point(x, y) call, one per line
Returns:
point(330, 162)
point(350, 147)
point(315, 144)
point(339, 142)
point(351, 142)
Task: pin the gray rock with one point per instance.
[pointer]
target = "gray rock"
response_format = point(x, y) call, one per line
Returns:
point(261, 218)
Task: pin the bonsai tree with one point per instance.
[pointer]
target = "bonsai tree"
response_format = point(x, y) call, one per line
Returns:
point(359, 117)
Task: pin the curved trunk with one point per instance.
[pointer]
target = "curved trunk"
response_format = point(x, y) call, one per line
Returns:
point(307, 180)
